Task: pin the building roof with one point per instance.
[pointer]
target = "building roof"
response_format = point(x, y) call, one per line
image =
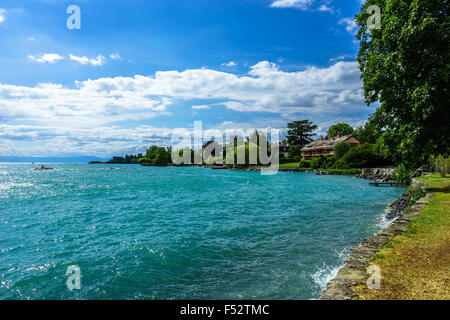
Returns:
point(325, 143)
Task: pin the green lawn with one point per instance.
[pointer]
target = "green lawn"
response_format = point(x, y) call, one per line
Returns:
point(416, 264)
point(292, 164)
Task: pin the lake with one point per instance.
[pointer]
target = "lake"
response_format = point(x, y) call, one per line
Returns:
point(178, 232)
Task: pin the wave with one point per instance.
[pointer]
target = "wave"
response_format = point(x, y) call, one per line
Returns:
point(10, 185)
point(326, 273)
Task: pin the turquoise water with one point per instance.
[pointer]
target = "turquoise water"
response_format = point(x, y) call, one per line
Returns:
point(209, 234)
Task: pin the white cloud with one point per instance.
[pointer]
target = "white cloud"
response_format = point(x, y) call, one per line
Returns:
point(2, 15)
point(31, 39)
point(350, 24)
point(229, 64)
point(46, 58)
point(83, 118)
point(201, 107)
point(115, 56)
point(297, 4)
point(99, 61)
point(324, 7)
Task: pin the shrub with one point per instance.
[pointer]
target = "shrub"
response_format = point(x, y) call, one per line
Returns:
point(305, 164)
point(315, 163)
point(416, 191)
point(442, 165)
point(340, 164)
point(402, 174)
point(287, 160)
point(341, 148)
point(363, 156)
point(329, 162)
point(297, 158)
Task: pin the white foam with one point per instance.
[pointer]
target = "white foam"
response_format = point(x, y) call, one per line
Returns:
point(322, 276)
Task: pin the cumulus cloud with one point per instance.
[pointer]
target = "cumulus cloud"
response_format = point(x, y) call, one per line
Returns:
point(99, 61)
point(85, 116)
point(350, 24)
point(297, 4)
point(115, 56)
point(46, 58)
point(265, 88)
point(229, 64)
point(325, 8)
point(2, 15)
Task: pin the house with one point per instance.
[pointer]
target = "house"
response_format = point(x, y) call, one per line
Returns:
point(283, 148)
point(325, 146)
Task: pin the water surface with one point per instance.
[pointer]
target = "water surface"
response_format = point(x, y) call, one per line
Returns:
point(178, 233)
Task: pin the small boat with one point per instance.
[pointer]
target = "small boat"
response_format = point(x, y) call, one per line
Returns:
point(43, 168)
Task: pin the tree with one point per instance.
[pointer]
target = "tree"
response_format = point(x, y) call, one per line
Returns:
point(342, 129)
point(157, 156)
point(341, 148)
point(300, 132)
point(295, 151)
point(369, 133)
point(404, 67)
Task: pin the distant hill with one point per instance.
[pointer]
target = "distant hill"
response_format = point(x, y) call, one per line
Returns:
point(82, 159)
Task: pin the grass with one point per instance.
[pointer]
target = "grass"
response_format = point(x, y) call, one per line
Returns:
point(416, 264)
point(292, 164)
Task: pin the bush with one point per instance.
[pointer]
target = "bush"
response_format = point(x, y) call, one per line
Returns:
point(315, 163)
point(341, 148)
point(305, 164)
point(402, 174)
point(329, 163)
point(363, 156)
point(417, 192)
point(287, 160)
point(442, 165)
point(340, 164)
point(297, 158)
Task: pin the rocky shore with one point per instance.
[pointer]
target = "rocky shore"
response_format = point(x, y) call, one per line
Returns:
point(354, 270)
point(377, 174)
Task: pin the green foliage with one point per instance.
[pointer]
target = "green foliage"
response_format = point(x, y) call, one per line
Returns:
point(370, 132)
point(295, 151)
point(315, 163)
point(305, 164)
point(362, 156)
point(300, 133)
point(246, 149)
point(441, 165)
point(319, 162)
point(287, 160)
point(342, 129)
point(402, 174)
point(158, 156)
point(341, 148)
point(404, 66)
point(416, 191)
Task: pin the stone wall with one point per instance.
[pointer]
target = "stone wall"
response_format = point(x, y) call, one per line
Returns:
point(379, 174)
point(354, 269)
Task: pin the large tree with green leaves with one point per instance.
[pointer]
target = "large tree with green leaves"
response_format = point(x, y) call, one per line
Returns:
point(404, 66)
point(300, 132)
point(342, 129)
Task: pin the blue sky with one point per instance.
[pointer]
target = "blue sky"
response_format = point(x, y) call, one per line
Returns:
point(137, 71)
